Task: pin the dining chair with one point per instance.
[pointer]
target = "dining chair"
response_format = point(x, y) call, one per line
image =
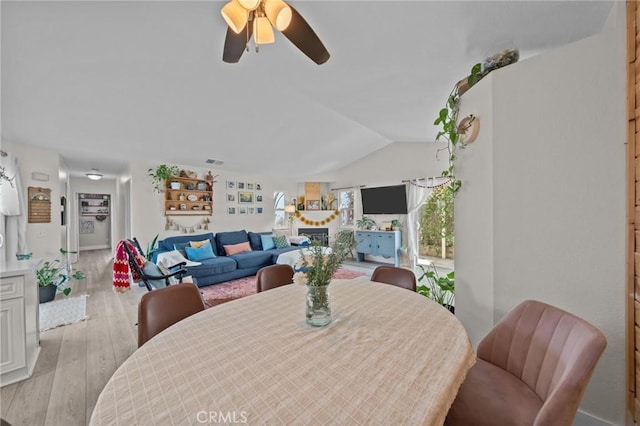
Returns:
point(273, 276)
point(532, 368)
point(396, 276)
point(166, 306)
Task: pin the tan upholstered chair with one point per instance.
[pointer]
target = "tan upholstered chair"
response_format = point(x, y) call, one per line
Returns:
point(166, 306)
point(396, 276)
point(273, 276)
point(532, 369)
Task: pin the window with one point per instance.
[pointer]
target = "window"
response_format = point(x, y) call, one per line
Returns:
point(346, 207)
point(436, 224)
point(280, 217)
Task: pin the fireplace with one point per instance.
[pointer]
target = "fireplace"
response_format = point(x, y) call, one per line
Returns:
point(316, 234)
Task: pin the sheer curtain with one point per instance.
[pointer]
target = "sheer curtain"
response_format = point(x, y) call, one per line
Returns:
point(419, 192)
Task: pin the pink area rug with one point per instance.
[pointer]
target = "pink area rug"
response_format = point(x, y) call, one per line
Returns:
point(230, 290)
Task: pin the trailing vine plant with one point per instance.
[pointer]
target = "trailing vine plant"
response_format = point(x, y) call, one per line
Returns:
point(447, 120)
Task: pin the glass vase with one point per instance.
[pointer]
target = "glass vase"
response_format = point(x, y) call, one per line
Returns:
point(318, 309)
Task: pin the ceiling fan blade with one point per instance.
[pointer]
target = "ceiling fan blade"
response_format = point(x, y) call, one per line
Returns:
point(304, 38)
point(235, 44)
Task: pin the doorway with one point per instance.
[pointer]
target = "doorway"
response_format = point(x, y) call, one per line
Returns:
point(94, 221)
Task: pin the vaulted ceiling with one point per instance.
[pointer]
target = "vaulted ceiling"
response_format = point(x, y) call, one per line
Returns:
point(104, 82)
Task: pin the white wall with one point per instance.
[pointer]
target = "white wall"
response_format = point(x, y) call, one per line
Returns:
point(546, 179)
point(43, 239)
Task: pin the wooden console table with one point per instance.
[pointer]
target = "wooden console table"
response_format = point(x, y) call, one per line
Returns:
point(378, 243)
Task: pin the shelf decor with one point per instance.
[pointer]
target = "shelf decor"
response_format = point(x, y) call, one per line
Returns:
point(189, 196)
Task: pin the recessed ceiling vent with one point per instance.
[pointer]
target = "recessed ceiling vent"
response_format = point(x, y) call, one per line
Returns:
point(216, 162)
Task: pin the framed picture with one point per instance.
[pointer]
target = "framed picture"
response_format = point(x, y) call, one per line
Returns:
point(247, 197)
point(240, 185)
point(258, 210)
point(250, 210)
point(231, 184)
point(313, 204)
point(231, 197)
point(258, 198)
point(258, 187)
point(250, 186)
point(242, 210)
point(231, 210)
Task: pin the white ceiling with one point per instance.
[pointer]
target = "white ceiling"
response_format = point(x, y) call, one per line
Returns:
point(104, 82)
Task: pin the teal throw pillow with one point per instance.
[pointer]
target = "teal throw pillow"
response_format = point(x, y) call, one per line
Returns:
point(267, 242)
point(201, 253)
point(280, 241)
point(181, 247)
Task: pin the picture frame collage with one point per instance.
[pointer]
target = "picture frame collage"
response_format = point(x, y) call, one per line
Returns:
point(244, 198)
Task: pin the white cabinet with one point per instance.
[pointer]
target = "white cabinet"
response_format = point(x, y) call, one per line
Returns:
point(19, 334)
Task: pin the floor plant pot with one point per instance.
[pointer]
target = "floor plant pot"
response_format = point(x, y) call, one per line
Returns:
point(47, 293)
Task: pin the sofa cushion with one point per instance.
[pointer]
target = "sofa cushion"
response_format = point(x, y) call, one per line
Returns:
point(213, 266)
point(250, 259)
point(201, 253)
point(229, 238)
point(168, 243)
point(267, 242)
point(230, 249)
point(181, 247)
point(196, 244)
point(255, 238)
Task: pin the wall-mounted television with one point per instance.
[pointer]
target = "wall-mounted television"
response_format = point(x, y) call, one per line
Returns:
point(384, 200)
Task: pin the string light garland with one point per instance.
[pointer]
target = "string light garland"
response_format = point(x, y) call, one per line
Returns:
point(332, 216)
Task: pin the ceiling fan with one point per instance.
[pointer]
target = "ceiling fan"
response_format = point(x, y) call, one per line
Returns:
point(247, 18)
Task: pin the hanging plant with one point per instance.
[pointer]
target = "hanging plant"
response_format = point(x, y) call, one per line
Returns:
point(447, 120)
point(160, 174)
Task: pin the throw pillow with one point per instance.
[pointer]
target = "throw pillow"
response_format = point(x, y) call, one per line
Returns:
point(196, 244)
point(237, 248)
point(267, 242)
point(280, 241)
point(152, 269)
point(201, 253)
point(180, 247)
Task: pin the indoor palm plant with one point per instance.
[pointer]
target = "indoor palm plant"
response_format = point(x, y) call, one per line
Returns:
point(54, 275)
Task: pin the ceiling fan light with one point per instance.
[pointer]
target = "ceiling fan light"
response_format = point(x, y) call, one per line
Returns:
point(235, 16)
point(262, 30)
point(249, 4)
point(278, 12)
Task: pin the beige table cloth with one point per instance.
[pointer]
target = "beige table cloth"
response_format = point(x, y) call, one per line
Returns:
point(390, 356)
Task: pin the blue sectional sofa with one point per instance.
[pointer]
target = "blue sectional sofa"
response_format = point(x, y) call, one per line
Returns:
point(223, 268)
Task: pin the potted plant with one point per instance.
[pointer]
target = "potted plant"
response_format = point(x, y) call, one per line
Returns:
point(396, 225)
point(440, 289)
point(53, 276)
point(162, 173)
point(365, 223)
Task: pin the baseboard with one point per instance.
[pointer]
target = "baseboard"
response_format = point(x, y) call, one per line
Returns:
point(584, 419)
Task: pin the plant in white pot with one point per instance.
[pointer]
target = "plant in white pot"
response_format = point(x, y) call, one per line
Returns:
point(54, 275)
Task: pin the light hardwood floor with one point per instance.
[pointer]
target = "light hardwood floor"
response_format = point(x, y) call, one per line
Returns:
point(77, 360)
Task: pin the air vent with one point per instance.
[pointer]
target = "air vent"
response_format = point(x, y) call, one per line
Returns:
point(216, 162)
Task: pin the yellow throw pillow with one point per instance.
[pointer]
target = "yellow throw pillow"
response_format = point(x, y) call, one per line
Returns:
point(198, 244)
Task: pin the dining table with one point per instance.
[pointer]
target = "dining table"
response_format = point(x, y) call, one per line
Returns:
point(389, 356)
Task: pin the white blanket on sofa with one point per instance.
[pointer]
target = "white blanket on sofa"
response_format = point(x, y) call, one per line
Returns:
point(170, 258)
point(292, 257)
